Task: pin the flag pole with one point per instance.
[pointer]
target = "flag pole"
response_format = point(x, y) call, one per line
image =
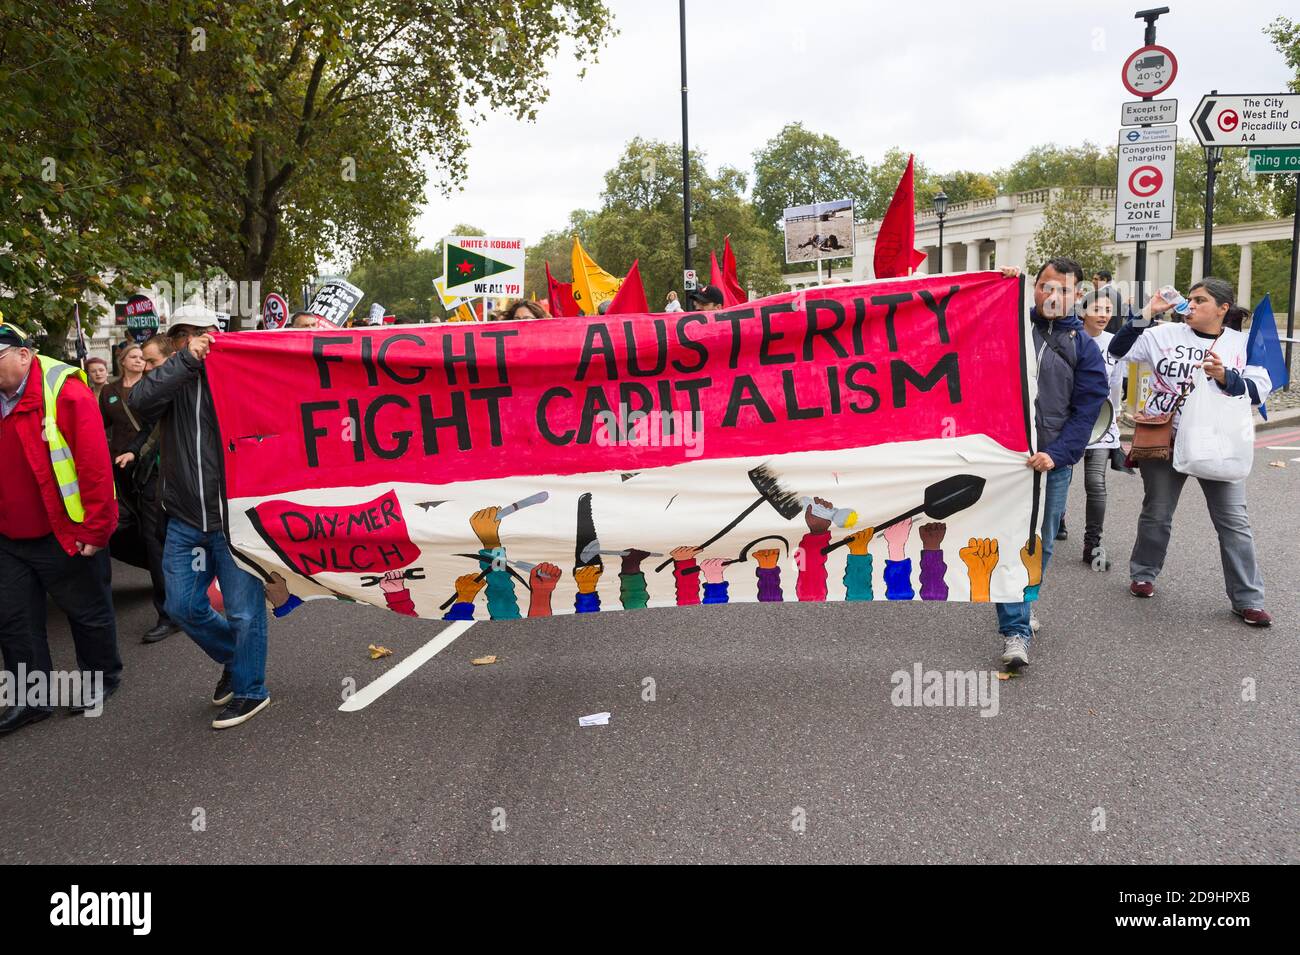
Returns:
point(1295, 265)
point(83, 351)
point(686, 149)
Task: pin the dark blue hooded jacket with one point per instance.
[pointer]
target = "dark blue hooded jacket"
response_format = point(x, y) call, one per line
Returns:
point(1070, 393)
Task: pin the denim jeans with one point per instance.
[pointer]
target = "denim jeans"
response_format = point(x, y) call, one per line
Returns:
point(1013, 619)
point(191, 559)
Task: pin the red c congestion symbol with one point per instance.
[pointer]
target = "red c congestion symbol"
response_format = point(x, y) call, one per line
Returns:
point(1145, 181)
point(1228, 120)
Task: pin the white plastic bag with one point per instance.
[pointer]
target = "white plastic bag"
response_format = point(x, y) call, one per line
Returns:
point(1216, 433)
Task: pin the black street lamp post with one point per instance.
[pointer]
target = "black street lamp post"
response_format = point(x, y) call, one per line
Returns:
point(941, 210)
point(1213, 156)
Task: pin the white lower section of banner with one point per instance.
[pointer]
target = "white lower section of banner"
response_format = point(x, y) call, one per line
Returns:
point(978, 547)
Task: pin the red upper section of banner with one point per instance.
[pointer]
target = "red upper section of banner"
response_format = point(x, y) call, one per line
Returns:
point(839, 367)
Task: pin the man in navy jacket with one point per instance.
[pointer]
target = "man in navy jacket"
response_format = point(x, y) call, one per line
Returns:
point(1071, 388)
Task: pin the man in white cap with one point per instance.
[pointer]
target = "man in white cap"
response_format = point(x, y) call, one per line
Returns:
point(193, 495)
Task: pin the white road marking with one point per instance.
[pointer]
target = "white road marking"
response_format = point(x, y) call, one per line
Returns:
point(1272, 447)
point(373, 691)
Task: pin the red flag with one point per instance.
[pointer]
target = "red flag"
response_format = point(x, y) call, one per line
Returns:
point(715, 273)
point(630, 297)
point(732, 291)
point(561, 296)
point(895, 257)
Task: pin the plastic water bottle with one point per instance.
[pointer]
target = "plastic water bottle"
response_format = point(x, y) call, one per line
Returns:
point(1174, 298)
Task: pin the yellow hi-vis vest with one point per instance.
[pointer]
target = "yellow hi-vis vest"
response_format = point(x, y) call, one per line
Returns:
point(53, 375)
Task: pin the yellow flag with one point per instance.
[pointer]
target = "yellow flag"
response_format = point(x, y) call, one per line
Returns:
point(591, 284)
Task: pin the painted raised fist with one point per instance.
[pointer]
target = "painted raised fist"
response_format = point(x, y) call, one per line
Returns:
point(587, 578)
point(713, 569)
point(1033, 562)
point(896, 537)
point(818, 525)
point(980, 557)
point(484, 523)
point(932, 535)
point(859, 541)
point(467, 588)
point(544, 577)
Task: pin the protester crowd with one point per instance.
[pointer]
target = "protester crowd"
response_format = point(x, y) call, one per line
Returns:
point(92, 465)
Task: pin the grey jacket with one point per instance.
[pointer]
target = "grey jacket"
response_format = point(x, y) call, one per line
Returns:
point(192, 485)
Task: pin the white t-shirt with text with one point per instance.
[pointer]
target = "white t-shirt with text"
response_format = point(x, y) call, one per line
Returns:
point(1174, 351)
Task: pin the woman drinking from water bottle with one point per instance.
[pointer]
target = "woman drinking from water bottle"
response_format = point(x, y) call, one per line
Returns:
point(1174, 351)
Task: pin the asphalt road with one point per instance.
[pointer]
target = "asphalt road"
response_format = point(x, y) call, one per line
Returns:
point(1131, 707)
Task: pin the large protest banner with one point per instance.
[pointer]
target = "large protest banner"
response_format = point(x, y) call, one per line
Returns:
point(854, 442)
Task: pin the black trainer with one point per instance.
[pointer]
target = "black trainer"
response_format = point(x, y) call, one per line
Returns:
point(239, 711)
point(1095, 556)
point(159, 631)
point(16, 717)
point(1062, 534)
point(225, 691)
point(92, 701)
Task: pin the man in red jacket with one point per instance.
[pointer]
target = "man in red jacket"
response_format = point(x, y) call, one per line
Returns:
point(57, 512)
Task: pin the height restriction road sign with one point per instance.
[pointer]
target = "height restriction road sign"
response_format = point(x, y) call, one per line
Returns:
point(1144, 199)
point(1149, 71)
point(1252, 119)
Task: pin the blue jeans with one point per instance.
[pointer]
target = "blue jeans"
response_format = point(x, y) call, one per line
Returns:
point(1013, 619)
point(191, 559)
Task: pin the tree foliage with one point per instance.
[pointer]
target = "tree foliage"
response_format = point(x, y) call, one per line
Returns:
point(1074, 226)
point(798, 167)
point(83, 207)
point(1044, 167)
point(640, 218)
point(277, 134)
point(1285, 34)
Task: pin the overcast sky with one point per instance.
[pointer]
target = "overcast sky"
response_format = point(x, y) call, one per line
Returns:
point(928, 77)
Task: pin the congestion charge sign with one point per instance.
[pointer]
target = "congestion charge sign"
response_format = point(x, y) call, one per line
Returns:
point(1145, 181)
point(1149, 71)
point(1144, 201)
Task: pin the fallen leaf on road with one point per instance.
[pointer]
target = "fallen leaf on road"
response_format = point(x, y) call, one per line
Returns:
point(484, 661)
point(1091, 711)
point(377, 652)
point(1277, 464)
point(1008, 674)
